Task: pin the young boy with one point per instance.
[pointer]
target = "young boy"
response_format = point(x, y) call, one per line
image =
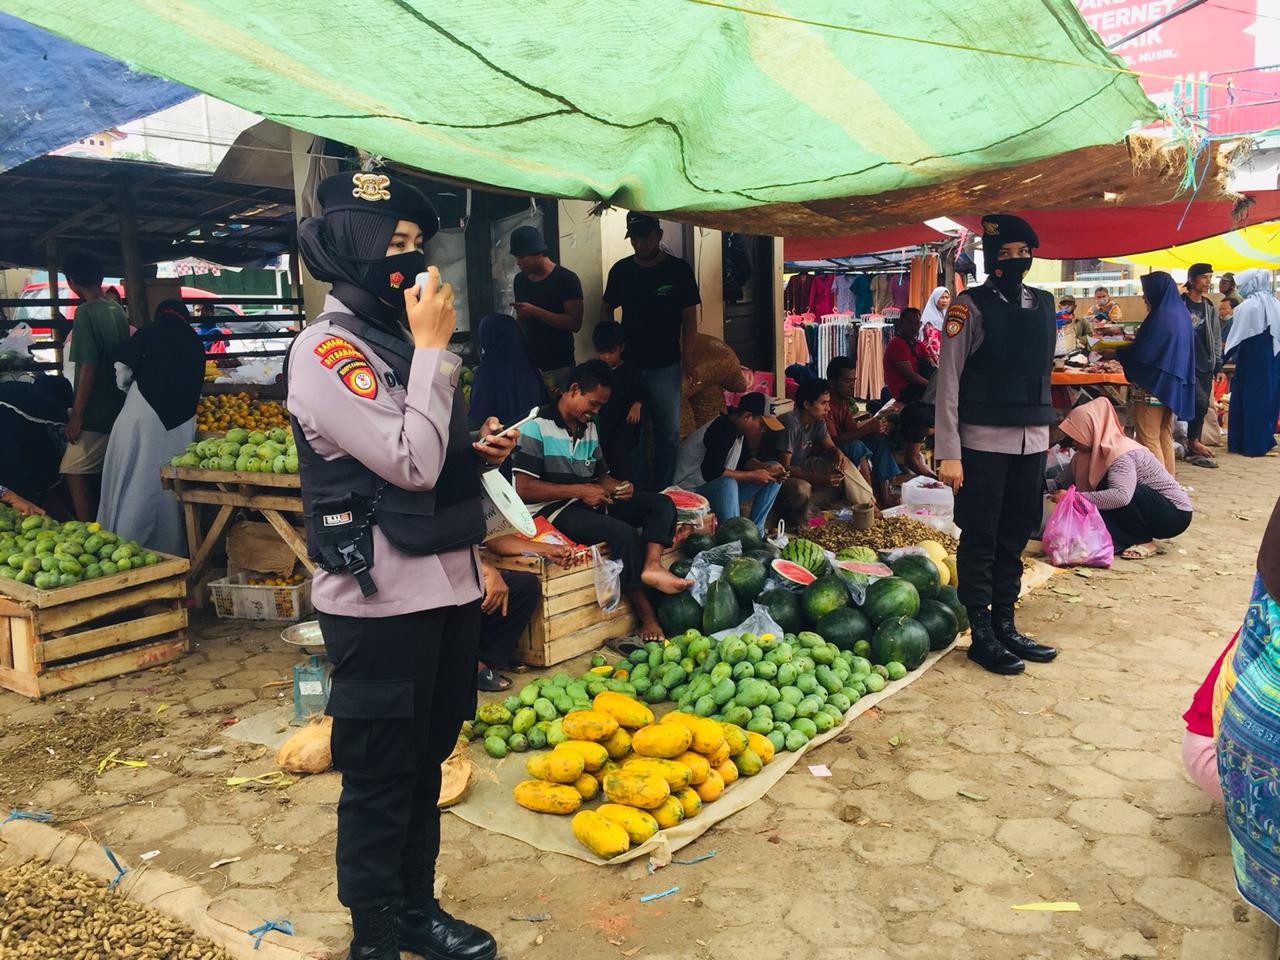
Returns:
point(98, 330)
point(620, 418)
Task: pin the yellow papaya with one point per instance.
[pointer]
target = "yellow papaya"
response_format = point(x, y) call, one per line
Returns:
point(728, 771)
point(711, 788)
point(602, 836)
point(664, 740)
point(593, 754)
point(604, 671)
point(736, 737)
point(556, 766)
point(544, 797)
point(639, 824)
point(668, 813)
point(618, 744)
point(748, 763)
point(588, 725)
point(719, 756)
point(762, 746)
point(629, 713)
point(690, 800)
point(587, 786)
point(697, 764)
point(707, 734)
point(636, 789)
point(677, 775)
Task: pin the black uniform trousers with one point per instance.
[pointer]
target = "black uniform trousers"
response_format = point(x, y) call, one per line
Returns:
point(998, 507)
point(500, 632)
point(402, 688)
point(626, 526)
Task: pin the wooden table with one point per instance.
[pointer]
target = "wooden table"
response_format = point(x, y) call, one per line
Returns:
point(271, 494)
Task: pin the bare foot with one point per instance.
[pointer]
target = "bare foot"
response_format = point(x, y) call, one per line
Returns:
point(649, 630)
point(1200, 450)
point(663, 580)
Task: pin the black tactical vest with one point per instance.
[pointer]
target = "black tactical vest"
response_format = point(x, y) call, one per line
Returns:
point(1006, 382)
point(342, 498)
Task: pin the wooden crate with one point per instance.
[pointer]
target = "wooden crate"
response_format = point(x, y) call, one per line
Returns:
point(52, 640)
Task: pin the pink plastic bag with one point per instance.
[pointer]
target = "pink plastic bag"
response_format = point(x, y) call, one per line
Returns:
point(1076, 536)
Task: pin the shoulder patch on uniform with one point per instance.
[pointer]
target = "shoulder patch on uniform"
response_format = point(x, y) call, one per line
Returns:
point(333, 350)
point(957, 316)
point(359, 378)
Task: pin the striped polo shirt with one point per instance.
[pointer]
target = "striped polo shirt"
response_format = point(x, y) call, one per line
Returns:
point(549, 451)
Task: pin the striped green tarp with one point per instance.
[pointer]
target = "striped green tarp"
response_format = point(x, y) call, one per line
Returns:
point(661, 105)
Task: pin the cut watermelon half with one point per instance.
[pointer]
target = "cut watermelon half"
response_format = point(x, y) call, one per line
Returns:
point(685, 500)
point(869, 569)
point(792, 572)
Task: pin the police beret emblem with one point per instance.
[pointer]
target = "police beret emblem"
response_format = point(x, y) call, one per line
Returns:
point(371, 186)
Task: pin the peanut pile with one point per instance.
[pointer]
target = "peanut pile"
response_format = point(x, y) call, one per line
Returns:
point(885, 534)
point(49, 912)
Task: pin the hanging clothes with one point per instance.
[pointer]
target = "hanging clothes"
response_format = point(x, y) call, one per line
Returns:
point(881, 296)
point(795, 296)
point(862, 300)
point(869, 368)
point(821, 298)
point(923, 279)
point(899, 290)
point(833, 340)
point(794, 348)
point(842, 288)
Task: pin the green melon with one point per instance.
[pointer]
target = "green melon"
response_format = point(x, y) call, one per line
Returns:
point(900, 639)
point(949, 596)
point(891, 597)
point(822, 596)
point(741, 529)
point(695, 543)
point(936, 617)
point(747, 577)
point(679, 612)
point(784, 607)
point(766, 552)
point(844, 627)
point(861, 554)
point(681, 567)
point(921, 571)
point(720, 610)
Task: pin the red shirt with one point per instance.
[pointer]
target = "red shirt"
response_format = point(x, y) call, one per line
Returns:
point(1199, 715)
point(899, 349)
point(841, 418)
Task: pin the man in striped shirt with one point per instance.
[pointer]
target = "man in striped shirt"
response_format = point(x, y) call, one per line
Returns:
point(560, 472)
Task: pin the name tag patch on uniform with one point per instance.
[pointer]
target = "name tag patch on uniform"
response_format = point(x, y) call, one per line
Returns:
point(957, 316)
point(333, 350)
point(337, 519)
point(359, 378)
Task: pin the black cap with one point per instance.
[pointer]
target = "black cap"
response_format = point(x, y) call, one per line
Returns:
point(757, 404)
point(1197, 269)
point(378, 193)
point(1001, 228)
point(527, 241)
point(641, 224)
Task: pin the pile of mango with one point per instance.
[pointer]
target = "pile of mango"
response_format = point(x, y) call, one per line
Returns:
point(218, 412)
point(41, 552)
point(652, 775)
point(256, 452)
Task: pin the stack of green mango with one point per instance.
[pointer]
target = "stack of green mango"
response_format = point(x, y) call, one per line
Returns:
point(257, 452)
point(41, 552)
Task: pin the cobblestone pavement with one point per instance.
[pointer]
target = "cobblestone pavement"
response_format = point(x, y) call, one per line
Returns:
point(1073, 776)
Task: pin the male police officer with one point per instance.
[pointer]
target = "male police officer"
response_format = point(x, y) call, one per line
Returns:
point(993, 412)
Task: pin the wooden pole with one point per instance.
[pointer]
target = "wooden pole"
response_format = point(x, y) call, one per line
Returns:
point(135, 282)
point(52, 265)
point(313, 290)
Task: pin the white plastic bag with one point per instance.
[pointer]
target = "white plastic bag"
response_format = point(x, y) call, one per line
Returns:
point(760, 622)
point(608, 578)
point(708, 565)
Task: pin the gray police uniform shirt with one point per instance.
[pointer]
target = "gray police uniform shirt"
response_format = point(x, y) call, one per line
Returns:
point(400, 432)
point(950, 434)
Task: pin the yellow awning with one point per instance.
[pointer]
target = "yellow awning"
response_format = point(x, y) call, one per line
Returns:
point(1254, 246)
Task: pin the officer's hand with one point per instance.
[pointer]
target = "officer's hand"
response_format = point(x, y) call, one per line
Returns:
point(495, 446)
point(951, 473)
point(431, 317)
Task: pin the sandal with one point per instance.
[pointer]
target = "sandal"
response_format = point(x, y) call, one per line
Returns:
point(1209, 462)
point(1139, 552)
point(623, 646)
point(489, 681)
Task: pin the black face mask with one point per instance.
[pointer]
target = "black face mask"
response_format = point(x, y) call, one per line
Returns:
point(387, 277)
point(1008, 275)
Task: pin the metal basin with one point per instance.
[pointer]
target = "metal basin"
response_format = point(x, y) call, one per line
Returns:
point(305, 634)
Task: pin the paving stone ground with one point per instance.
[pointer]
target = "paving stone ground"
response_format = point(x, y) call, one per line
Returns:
point(1078, 762)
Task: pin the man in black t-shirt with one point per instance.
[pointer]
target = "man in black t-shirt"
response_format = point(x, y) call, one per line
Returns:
point(549, 304)
point(659, 298)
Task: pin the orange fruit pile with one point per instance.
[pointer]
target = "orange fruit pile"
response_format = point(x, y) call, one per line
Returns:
point(220, 412)
point(291, 581)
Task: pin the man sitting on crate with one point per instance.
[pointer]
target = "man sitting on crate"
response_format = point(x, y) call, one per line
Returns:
point(560, 473)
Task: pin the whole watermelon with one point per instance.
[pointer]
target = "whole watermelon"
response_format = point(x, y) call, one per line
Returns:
point(806, 553)
point(902, 639)
point(747, 576)
point(678, 612)
point(695, 543)
point(921, 571)
point(766, 552)
point(681, 568)
point(822, 596)
point(784, 607)
point(936, 617)
point(891, 597)
point(861, 554)
point(720, 610)
point(741, 529)
point(949, 596)
point(844, 627)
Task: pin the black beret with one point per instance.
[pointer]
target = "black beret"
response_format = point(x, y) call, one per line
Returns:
point(1001, 228)
point(378, 193)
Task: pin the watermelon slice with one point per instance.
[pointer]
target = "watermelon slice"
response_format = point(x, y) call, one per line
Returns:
point(868, 569)
point(793, 572)
point(683, 499)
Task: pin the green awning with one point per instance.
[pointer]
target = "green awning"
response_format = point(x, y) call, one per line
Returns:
point(662, 105)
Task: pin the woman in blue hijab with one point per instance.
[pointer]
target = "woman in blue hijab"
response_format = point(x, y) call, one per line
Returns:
point(1160, 365)
point(507, 385)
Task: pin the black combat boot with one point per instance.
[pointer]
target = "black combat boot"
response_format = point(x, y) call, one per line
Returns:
point(985, 649)
point(1007, 633)
point(374, 934)
point(425, 929)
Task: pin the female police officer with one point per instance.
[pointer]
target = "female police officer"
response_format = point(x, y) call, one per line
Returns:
point(391, 497)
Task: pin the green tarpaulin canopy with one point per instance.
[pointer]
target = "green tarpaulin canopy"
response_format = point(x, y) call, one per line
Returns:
point(684, 106)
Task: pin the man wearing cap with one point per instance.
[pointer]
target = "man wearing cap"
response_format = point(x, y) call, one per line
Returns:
point(1208, 340)
point(659, 298)
point(712, 462)
point(993, 410)
point(548, 302)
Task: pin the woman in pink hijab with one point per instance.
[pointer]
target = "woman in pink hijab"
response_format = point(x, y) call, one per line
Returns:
point(1138, 498)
